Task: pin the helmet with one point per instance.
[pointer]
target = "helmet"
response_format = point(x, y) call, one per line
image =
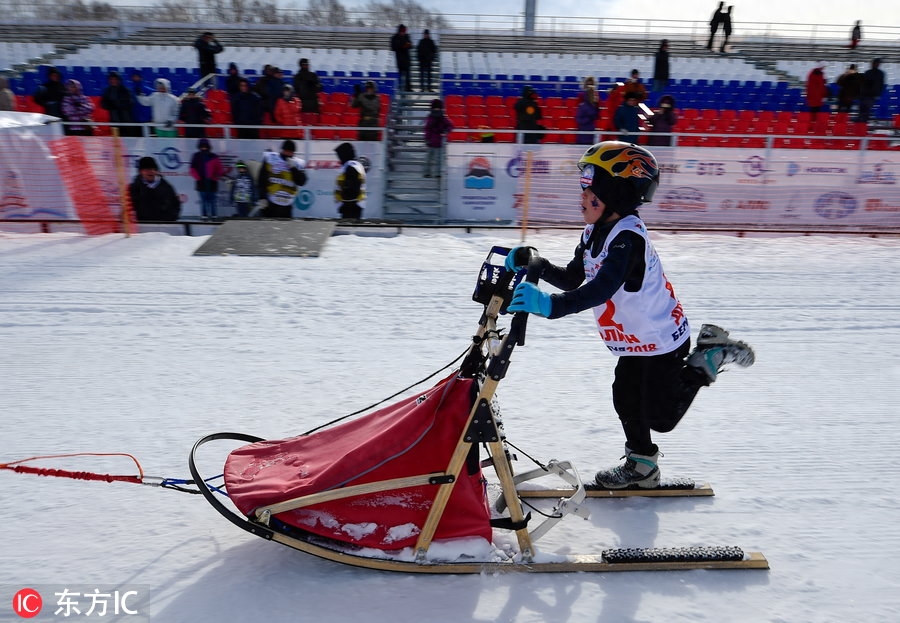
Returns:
point(622, 175)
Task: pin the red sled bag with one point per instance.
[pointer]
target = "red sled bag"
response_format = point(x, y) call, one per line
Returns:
point(414, 437)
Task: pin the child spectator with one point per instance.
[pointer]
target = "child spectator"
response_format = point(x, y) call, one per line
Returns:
point(587, 112)
point(243, 190)
point(663, 121)
point(437, 127)
point(287, 113)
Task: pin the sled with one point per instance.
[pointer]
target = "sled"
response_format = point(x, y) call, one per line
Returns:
point(403, 488)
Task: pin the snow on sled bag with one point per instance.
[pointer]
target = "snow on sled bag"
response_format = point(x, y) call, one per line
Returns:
point(415, 436)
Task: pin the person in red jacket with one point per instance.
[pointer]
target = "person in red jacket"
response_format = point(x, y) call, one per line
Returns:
point(207, 169)
point(816, 89)
point(287, 113)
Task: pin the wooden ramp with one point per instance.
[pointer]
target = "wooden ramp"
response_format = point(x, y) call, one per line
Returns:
point(274, 237)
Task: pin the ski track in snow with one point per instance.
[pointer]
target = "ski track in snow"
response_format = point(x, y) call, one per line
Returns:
point(134, 345)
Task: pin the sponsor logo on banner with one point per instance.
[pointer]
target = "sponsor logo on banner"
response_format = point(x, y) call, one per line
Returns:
point(705, 168)
point(835, 205)
point(880, 205)
point(516, 166)
point(878, 174)
point(321, 165)
point(169, 158)
point(479, 173)
point(754, 170)
point(683, 199)
point(669, 168)
point(748, 204)
point(794, 169)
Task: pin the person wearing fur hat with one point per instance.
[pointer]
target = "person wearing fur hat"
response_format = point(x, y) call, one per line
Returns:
point(152, 197)
point(280, 177)
point(77, 107)
point(350, 184)
point(207, 169)
point(194, 112)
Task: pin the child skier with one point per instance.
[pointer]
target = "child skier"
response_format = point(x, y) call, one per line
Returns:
point(617, 272)
point(243, 190)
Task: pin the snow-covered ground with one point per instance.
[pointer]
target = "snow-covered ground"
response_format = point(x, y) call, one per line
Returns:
point(134, 345)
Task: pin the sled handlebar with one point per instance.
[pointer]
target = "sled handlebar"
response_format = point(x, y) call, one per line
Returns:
point(532, 275)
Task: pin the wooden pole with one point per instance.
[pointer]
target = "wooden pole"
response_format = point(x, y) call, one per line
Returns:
point(125, 215)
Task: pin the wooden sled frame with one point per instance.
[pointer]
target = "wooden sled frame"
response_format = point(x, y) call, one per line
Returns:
point(488, 360)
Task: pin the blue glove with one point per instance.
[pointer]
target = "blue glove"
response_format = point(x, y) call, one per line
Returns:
point(529, 298)
point(511, 261)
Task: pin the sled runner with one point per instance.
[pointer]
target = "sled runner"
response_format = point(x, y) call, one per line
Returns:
point(403, 488)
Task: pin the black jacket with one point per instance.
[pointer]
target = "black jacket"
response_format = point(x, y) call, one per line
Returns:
point(307, 86)
point(154, 203)
point(401, 44)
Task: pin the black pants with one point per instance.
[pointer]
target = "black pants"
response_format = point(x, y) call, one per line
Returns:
point(653, 393)
point(350, 210)
point(273, 210)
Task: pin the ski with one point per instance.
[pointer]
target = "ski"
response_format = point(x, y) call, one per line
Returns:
point(668, 488)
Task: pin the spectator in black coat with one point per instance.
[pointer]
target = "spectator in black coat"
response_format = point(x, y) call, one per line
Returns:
point(661, 67)
point(426, 52)
point(118, 100)
point(401, 45)
point(307, 87)
point(726, 28)
point(528, 113)
point(152, 197)
point(872, 89)
point(207, 47)
point(232, 80)
point(50, 94)
point(714, 24)
point(246, 109)
point(194, 112)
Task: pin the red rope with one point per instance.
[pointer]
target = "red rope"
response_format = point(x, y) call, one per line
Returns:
point(17, 467)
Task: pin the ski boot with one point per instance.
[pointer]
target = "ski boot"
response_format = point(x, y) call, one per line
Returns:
point(715, 349)
point(639, 470)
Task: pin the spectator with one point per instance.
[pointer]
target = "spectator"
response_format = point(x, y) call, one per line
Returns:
point(587, 112)
point(627, 120)
point(661, 67)
point(426, 51)
point(164, 108)
point(243, 190)
point(119, 102)
point(855, 35)
point(849, 86)
point(207, 170)
point(77, 107)
point(152, 197)
point(246, 109)
point(726, 28)
point(714, 24)
point(232, 80)
point(194, 112)
point(207, 47)
point(350, 184)
point(49, 95)
point(280, 177)
point(437, 127)
point(871, 89)
point(662, 122)
point(7, 97)
point(816, 89)
point(269, 89)
point(528, 113)
point(635, 87)
point(307, 86)
point(139, 112)
point(401, 44)
point(369, 105)
point(287, 113)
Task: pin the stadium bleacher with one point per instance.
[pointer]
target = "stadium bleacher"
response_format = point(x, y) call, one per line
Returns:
point(481, 75)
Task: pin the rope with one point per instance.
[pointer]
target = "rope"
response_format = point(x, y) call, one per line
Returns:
point(383, 400)
point(140, 479)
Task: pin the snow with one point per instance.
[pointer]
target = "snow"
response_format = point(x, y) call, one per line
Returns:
point(134, 345)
